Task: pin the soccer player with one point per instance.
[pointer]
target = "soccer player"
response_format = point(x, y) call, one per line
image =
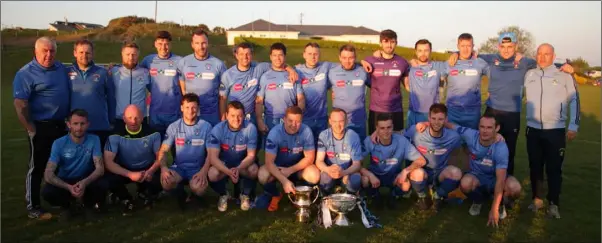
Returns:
point(388, 72)
point(74, 170)
point(348, 82)
point(92, 90)
point(41, 100)
point(276, 93)
point(436, 145)
point(131, 156)
point(289, 156)
point(339, 155)
point(550, 94)
point(191, 164)
point(232, 151)
point(387, 159)
point(200, 73)
point(132, 81)
point(165, 90)
point(488, 164)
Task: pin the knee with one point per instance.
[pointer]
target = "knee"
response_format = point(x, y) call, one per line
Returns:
point(213, 174)
point(325, 178)
point(311, 174)
point(365, 181)
point(198, 189)
point(168, 185)
point(263, 175)
point(455, 173)
point(417, 175)
point(466, 184)
point(513, 187)
point(253, 170)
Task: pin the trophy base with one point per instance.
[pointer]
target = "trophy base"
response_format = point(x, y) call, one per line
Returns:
point(341, 220)
point(302, 215)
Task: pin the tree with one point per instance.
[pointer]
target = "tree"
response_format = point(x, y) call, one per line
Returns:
point(204, 27)
point(580, 65)
point(218, 30)
point(526, 41)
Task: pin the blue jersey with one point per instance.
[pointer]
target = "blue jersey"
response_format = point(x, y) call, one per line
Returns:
point(315, 84)
point(278, 93)
point(506, 80)
point(202, 77)
point(464, 82)
point(340, 152)
point(46, 90)
point(233, 145)
point(190, 143)
point(135, 150)
point(243, 85)
point(130, 88)
point(349, 89)
point(73, 160)
point(435, 150)
point(165, 86)
point(424, 85)
point(289, 148)
point(484, 160)
point(93, 91)
point(385, 159)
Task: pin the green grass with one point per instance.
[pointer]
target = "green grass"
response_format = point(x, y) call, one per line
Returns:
point(580, 199)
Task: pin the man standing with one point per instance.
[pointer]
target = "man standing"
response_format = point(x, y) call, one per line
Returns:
point(232, 150)
point(131, 83)
point(75, 169)
point(348, 82)
point(387, 75)
point(131, 156)
point(550, 93)
point(92, 90)
point(41, 100)
point(200, 74)
point(165, 90)
point(289, 156)
point(339, 155)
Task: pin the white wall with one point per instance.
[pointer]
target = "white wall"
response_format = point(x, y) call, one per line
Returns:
point(261, 34)
point(371, 39)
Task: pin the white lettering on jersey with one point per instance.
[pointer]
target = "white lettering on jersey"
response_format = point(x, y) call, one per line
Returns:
point(344, 157)
point(170, 72)
point(391, 161)
point(287, 85)
point(357, 82)
point(207, 76)
point(394, 72)
point(252, 82)
point(431, 73)
point(197, 142)
point(320, 77)
point(471, 72)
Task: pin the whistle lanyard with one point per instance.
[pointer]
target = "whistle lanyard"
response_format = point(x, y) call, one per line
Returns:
point(382, 161)
point(332, 139)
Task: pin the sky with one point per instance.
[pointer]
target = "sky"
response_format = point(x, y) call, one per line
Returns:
point(573, 28)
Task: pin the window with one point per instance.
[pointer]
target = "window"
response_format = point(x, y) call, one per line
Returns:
point(282, 36)
point(262, 35)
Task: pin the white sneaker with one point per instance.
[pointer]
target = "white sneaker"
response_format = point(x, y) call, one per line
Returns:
point(475, 209)
point(222, 203)
point(503, 213)
point(553, 211)
point(245, 202)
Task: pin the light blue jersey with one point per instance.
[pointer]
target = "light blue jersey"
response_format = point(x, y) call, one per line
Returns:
point(135, 151)
point(349, 89)
point(165, 87)
point(233, 145)
point(424, 85)
point(130, 88)
point(484, 160)
point(315, 85)
point(435, 150)
point(278, 93)
point(464, 83)
point(243, 86)
point(340, 152)
point(75, 160)
point(190, 143)
point(385, 159)
point(289, 148)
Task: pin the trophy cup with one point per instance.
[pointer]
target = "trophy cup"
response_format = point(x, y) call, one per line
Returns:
point(303, 201)
point(341, 203)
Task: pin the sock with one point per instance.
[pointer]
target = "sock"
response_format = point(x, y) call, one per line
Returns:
point(247, 185)
point(446, 186)
point(419, 186)
point(271, 188)
point(354, 183)
point(476, 196)
point(219, 186)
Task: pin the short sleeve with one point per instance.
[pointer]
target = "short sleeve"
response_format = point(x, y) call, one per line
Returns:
point(262, 67)
point(96, 151)
point(21, 87)
point(180, 69)
point(251, 136)
point(298, 88)
point(156, 141)
point(308, 139)
point(145, 62)
point(356, 148)
point(410, 132)
point(214, 138)
point(322, 141)
point(224, 86)
point(112, 144)
point(271, 143)
point(410, 152)
point(441, 68)
point(469, 135)
point(170, 135)
point(368, 145)
point(55, 152)
point(262, 83)
point(501, 155)
point(485, 67)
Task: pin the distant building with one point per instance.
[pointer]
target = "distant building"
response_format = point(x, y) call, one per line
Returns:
point(72, 26)
point(594, 74)
point(264, 29)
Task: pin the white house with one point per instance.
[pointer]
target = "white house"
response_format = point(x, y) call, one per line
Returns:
point(594, 74)
point(264, 29)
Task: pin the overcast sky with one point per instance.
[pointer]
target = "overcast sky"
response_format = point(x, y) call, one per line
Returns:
point(574, 28)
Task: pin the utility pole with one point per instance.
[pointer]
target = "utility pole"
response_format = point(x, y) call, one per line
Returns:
point(301, 19)
point(156, 12)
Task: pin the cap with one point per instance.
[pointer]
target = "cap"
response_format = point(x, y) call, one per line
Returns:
point(510, 35)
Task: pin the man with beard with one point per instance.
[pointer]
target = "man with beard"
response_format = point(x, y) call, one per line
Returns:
point(41, 100)
point(164, 88)
point(92, 90)
point(131, 84)
point(232, 150)
point(74, 170)
point(339, 155)
point(200, 73)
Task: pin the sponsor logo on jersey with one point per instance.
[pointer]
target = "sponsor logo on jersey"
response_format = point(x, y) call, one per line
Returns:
point(208, 66)
point(344, 157)
point(224, 146)
point(454, 72)
point(431, 73)
point(252, 82)
point(190, 75)
point(153, 72)
point(241, 147)
point(341, 83)
point(287, 86)
point(419, 73)
point(305, 81)
point(297, 150)
point(284, 150)
point(197, 142)
point(487, 162)
point(320, 77)
point(391, 161)
point(272, 86)
point(207, 76)
point(180, 141)
point(357, 82)
point(330, 154)
point(237, 87)
point(170, 72)
point(471, 72)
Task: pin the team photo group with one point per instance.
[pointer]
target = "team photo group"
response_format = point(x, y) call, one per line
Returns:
point(92, 132)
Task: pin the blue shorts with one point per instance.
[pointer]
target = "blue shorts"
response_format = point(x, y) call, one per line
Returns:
point(464, 116)
point(317, 126)
point(486, 183)
point(213, 119)
point(388, 180)
point(160, 122)
point(186, 174)
point(416, 117)
point(432, 176)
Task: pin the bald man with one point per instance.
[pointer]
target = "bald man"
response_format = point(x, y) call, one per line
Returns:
point(41, 100)
point(131, 156)
point(550, 94)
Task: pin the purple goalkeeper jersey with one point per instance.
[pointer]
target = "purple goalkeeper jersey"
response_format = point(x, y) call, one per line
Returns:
point(387, 77)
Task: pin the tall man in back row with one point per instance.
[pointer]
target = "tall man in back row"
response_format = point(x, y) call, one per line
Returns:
point(41, 100)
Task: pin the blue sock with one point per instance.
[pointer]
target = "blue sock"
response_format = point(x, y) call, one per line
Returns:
point(354, 183)
point(219, 186)
point(419, 186)
point(247, 185)
point(476, 195)
point(271, 188)
point(447, 186)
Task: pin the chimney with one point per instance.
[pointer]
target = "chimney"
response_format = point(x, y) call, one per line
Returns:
point(66, 22)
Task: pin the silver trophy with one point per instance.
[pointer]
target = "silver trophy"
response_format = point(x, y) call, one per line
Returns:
point(303, 201)
point(341, 203)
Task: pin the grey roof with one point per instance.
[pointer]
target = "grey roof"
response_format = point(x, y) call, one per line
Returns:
point(64, 27)
point(262, 25)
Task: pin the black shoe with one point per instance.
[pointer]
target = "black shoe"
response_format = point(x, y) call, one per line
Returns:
point(182, 198)
point(438, 204)
point(423, 203)
point(67, 214)
point(128, 207)
point(148, 204)
point(112, 199)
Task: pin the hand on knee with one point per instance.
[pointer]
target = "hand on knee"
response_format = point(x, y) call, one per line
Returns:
point(417, 175)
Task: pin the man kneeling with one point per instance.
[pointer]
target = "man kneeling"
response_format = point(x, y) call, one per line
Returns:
point(339, 155)
point(191, 164)
point(131, 156)
point(289, 155)
point(386, 162)
point(232, 146)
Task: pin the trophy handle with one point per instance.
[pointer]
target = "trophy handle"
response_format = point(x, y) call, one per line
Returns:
point(317, 194)
point(289, 198)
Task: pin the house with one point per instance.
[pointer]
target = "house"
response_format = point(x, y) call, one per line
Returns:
point(264, 29)
point(594, 74)
point(72, 26)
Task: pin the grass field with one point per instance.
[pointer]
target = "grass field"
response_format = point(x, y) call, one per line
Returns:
point(580, 199)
